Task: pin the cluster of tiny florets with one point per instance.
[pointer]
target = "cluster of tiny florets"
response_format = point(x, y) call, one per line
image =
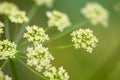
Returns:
point(13, 13)
point(35, 34)
point(1, 27)
point(56, 74)
point(39, 57)
point(4, 77)
point(96, 14)
point(6, 8)
point(58, 19)
point(84, 38)
point(48, 3)
point(18, 17)
point(7, 49)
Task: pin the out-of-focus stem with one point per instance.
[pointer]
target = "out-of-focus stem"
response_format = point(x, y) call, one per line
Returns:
point(13, 70)
point(15, 32)
point(61, 47)
point(36, 73)
point(3, 65)
point(7, 28)
point(31, 13)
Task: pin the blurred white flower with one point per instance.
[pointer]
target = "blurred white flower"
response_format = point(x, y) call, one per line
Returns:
point(96, 14)
point(58, 19)
point(6, 8)
point(53, 74)
point(35, 34)
point(84, 38)
point(18, 17)
point(7, 78)
point(48, 3)
point(7, 49)
point(4, 77)
point(1, 27)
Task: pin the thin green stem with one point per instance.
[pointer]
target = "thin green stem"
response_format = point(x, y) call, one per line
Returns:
point(7, 28)
point(13, 70)
point(29, 68)
point(67, 31)
point(4, 64)
point(48, 28)
point(31, 13)
point(23, 44)
point(22, 57)
point(22, 51)
point(15, 32)
point(61, 47)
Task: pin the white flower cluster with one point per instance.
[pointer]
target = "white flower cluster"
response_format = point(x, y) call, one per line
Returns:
point(48, 3)
point(4, 77)
point(12, 11)
point(6, 8)
point(35, 34)
point(39, 57)
point(7, 49)
point(84, 38)
point(58, 19)
point(96, 14)
point(1, 26)
point(18, 17)
point(53, 74)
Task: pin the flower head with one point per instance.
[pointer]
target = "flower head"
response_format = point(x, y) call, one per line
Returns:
point(7, 49)
point(48, 3)
point(1, 26)
point(58, 19)
point(53, 74)
point(6, 8)
point(18, 17)
point(39, 57)
point(96, 14)
point(84, 38)
point(35, 34)
point(4, 77)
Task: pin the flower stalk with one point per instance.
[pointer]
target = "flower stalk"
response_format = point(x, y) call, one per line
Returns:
point(31, 13)
point(13, 69)
point(33, 71)
point(15, 32)
point(7, 28)
point(62, 47)
point(4, 64)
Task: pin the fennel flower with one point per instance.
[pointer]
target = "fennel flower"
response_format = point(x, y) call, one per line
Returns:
point(96, 14)
point(6, 8)
point(7, 49)
point(84, 38)
point(35, 34)
point(18, 17)
point(58, 19)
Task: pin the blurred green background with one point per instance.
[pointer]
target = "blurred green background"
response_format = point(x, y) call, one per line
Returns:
point(102, 64)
